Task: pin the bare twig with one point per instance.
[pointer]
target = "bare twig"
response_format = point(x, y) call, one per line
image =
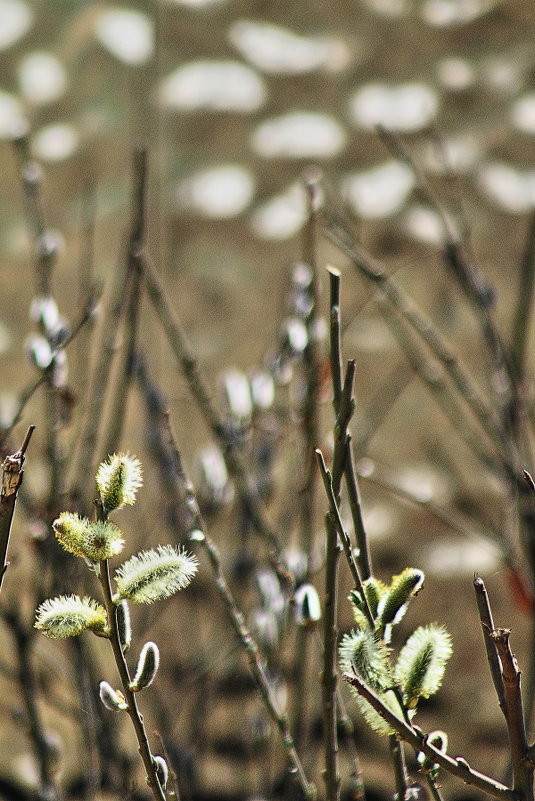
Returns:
point(514, 714)
point(400, 768)
point(135, 247)
point(344, 537)
point(310, 433)
point(12, 474)
point(524, 304)
point(311, 365)
point(329, 676)
point(487, 624)
point(363, 558)
point(338, 233)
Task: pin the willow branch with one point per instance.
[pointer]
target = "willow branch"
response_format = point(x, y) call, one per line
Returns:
point(487, 624)
point(456, 766)
point(130, 697)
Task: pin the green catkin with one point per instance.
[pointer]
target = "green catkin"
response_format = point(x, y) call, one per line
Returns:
point(68, 615)
point(154, 575)
point(395, 600)
point(118, 480)
point(421, 663)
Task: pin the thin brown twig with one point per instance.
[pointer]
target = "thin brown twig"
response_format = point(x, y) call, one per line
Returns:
point(457, 767)
point(338, 233)
point(523, 768)
point(344, 537)
point(363, 558)
point(135, 247)
point(12, 475)
point(487, 624)
point(310, 433)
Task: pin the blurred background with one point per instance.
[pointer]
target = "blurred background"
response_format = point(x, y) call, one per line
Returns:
point(235, 102)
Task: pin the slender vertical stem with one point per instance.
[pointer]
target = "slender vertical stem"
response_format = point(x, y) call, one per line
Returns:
point(130, 697)
point(336, 359)
point(134, 249)
point(329, 677)
point(524, 304)
point(311, 364)
point(337, 520)
point(487, 624)
point(364, 558)
point(522, 767)
point(310, 433)
point(400, 768)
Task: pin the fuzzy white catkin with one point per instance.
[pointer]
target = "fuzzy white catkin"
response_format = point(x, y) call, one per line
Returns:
point(162, 771)
point(124, 625)
point(110, 698)
point(147, 667)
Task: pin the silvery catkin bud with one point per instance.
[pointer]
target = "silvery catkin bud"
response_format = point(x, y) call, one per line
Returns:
point(162, 771)
point(147, 667)
point(112, 699)
point(307, 605)
point(124, 626)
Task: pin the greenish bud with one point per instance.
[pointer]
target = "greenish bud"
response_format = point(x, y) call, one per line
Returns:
point(365, 655)
point(362, 653)
point(394, 602)
point(112, 699)
point(153, 575)
point(71, 532)
point(92, 541)
point(69, 615)
point(421, 663)
point(118, 480)
point(147, 667)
